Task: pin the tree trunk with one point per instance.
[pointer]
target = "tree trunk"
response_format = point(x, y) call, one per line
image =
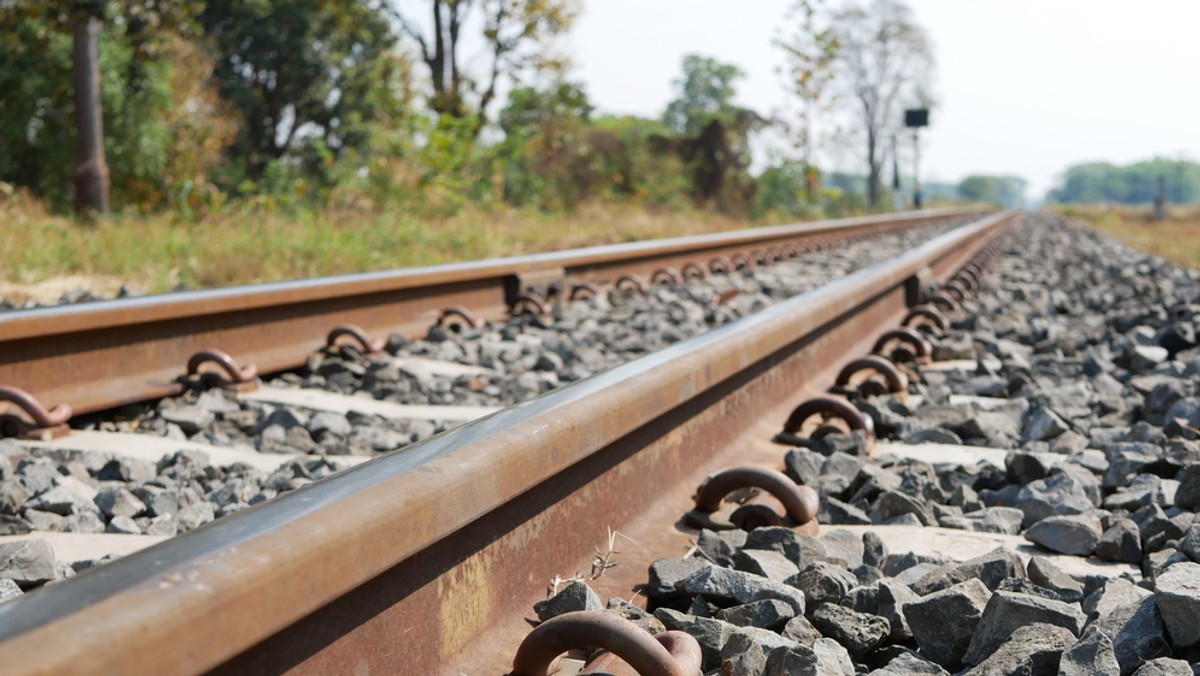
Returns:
point(872, 172)
point(91, 169)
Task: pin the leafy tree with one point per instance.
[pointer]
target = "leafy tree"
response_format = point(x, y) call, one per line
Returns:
point(545, 153)
point(811, 51)
point(516, 34)
point(311, 72)
point(1008, 191)
point(1136, 183)
point(706, 92)
point(884, 60)
point(37, 119)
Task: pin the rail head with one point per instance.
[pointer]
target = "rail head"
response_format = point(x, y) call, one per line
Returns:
point(191, 603)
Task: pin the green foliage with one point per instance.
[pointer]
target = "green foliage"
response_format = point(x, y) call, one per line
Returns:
point(37, 128)
point(311, 74)
point(1007, 191)
point(1133, 184)
point(706, 92)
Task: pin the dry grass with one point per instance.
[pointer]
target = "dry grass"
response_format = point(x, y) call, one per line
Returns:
point(1177, 238)
point(240, 244)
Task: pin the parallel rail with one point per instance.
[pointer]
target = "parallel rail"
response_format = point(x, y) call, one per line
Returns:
point(99, 356)
point(426, 560)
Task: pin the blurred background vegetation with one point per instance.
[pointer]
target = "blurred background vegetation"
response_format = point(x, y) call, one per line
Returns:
point(245, 140)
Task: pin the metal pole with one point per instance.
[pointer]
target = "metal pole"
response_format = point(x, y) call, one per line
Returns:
point(916, 170)
point(897, 198)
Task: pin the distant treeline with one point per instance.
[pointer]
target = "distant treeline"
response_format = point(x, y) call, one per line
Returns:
point(1136, 183)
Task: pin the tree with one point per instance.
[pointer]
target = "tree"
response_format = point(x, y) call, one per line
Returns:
point(811, 52)
point(515, 35)
point(1008, 191)
point(885, 61)
point(706, 93)
point(302, 71)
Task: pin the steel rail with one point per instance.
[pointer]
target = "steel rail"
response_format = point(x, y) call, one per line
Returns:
point(99, 356)
point(426, 560)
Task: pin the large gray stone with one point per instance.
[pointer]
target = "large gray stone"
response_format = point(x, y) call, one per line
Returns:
point(117, 501)
point(1032, 649)
point(1177, 592)
point(1045, 574)
point(1129, 616)
point(892, 598)
point(709, 633)
point(1076, 534)
point(766, 614)
point(1121, 542)
point(1092, 655)
point(800, 549)
point(943, 622)
point(991, 568)
point(714, 582)
point(1042, 424)
point(1188, 493)
point(574, 597)
point(1164, 666)
point(747, 648)
point(824, 658)
point(9, 590)
point(665, 574)
point(1056, 494)
point(823, 582)
point(1008, 611)
point(908, 663)
point(858, 632)
point(189, 417)
point(27, 562)
point(61, 500)
point(769, 564)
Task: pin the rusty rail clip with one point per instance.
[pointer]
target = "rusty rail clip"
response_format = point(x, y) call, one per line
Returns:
point(671, 653)
point(237, 378)
point(46, 424)
point(799, 504)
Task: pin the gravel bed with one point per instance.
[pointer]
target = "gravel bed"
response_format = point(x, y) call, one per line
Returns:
point(1086, 362)
point(518, 359)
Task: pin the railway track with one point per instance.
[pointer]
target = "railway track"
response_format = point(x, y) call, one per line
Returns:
point(427, 561)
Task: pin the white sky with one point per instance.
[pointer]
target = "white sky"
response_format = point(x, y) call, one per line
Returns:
point(1025, 87)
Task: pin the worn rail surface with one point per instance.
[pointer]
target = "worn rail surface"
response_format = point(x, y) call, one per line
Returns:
point(428, 559)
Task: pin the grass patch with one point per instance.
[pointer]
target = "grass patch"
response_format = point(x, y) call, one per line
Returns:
point(245, 244)
point(1176, 238)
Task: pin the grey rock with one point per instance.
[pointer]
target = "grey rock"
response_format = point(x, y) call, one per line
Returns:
point(874, 550)
point(123, 525)
point(9, 590)
point(61, 500)
point(27, 562)
point(990, 569)
point(746, 650)
point(1042, 424)
point(892, 598)
point(769, 564)
point(709, 633)
point(1056, 494)
point(1045, 574)
point(1121, 542)
point(13, 496)
point(844, 544)
point(800, 549)
point(1032, 649)
point(14, 525)
point(634, 614)
point(117, 501)
point(575, 596)
point(1130, 617)
point(1008, 611)
point(944, 621)
point(189, 417)
point(894, 503)
point(1164, 666)
point(737, 586)
point(665, 574)
point(327, 422)
point(824, 658)
point(1076, 534)
point(85, 522)
point(1003, 520)
point(1188, 493)
point(1177, 592)
point(721, 546)
point(195, 515)
point(1092, 655)
point(857, 632)
point(162, 525)
point(1189, 544)
point(45, 521)
point(1142, 358)
point(800, 630)
point(157, 501)
point(766, 614)
point(823, 582)
point(834, 511)
point(909, 663)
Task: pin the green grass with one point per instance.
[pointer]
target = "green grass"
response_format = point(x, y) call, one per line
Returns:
point(242, 244)
point(1176, 238)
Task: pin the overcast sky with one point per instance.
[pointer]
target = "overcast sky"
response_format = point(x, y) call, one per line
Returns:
point(1025, 87)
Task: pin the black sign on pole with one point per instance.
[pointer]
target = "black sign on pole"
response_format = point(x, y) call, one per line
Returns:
point(915, 118)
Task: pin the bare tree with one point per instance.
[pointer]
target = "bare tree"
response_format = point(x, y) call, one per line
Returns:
point(886, 61)
point(513, 35)
point(812, 51)
point(91, 168)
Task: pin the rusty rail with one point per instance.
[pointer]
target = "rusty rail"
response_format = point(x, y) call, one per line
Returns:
point(427, 560)
point(102, 355)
